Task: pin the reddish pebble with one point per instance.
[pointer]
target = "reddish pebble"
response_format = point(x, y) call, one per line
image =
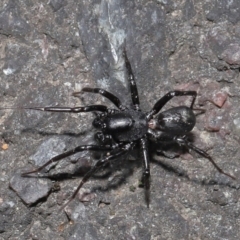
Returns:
point(219, 98)
point(4, 146)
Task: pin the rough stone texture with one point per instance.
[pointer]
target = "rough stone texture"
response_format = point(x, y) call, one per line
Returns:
point(30, 190)
point(50, 49)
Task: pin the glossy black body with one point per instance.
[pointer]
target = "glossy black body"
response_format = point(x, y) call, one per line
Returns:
point(125, 126)
point(176, 121)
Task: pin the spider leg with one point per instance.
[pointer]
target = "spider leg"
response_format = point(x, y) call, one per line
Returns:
point(115, 100)
point(146, 169)
point(162, 101)
point(131, 79)
point(154, 134)
point(104, 139)
point(90, 108)
point(120, 152)
point(184, 142)
point(69, 153)
point(163, 141)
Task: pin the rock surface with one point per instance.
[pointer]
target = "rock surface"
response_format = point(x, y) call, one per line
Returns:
point(50, 49)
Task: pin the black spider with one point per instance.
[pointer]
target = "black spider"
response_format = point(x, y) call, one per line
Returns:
point(124, 128)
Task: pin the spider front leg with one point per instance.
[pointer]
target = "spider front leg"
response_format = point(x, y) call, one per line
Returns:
point(184, 142)
point(90, 108)
point(69, 153)
point(115, 100)
point(112, 156)
point(162, 101)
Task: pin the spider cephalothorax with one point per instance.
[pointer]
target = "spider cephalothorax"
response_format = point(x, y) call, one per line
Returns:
point(121, 129)
point(124, 126)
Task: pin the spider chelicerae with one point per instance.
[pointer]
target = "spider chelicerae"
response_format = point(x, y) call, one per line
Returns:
point(123, 128)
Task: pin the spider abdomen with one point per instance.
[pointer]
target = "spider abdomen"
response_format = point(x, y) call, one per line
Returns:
point(178, 120)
